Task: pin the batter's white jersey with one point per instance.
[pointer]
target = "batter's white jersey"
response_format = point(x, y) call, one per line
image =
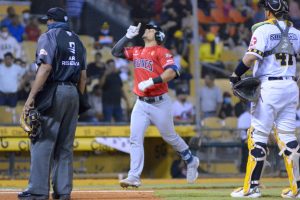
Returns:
point(264, 39)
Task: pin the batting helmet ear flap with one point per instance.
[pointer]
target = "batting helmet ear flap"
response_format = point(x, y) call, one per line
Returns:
point(159, 37)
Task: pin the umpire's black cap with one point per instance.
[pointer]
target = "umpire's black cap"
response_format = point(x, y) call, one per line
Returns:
point(57, 14)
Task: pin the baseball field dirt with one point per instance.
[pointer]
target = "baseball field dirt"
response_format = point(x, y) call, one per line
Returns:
point(154, 189)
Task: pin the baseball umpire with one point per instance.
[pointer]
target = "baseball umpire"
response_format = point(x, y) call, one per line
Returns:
point(273, 49)
point(153, 68)
point(61, 73)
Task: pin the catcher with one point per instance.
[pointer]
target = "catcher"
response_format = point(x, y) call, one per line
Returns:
point(51, 110)
point(273, 49)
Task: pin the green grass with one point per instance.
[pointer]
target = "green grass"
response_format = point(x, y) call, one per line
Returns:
point(175, 189)
point(213, 191)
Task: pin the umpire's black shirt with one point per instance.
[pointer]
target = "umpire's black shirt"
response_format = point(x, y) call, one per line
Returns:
point(62, 49)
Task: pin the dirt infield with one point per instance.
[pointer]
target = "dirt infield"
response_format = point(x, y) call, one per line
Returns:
point(111, 195)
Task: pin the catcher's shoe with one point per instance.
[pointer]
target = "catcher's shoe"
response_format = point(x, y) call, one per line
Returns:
point(192, 170)
point(287, 193)
point(253, 193)
point(130, 182)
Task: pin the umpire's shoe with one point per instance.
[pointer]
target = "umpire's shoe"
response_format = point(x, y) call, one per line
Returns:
point(28, 196)
point(61, 196)
point(192, 170)
point(130, 182)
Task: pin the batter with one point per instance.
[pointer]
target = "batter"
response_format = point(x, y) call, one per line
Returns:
point(153, 68)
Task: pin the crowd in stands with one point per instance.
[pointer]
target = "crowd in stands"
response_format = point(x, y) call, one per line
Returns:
point(224, 25)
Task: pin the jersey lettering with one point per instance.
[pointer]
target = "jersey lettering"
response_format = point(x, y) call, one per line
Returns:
point(144, 64)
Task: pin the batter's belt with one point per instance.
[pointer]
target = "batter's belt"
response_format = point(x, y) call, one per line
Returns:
point(151, 99)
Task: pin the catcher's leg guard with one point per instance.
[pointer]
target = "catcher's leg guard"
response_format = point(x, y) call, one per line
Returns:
point(256, 160)
point(290, 149)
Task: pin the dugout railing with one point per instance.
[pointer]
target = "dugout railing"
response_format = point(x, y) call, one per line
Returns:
point(219, 156)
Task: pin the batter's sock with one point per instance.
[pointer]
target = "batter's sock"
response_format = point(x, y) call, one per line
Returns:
point(187, 156)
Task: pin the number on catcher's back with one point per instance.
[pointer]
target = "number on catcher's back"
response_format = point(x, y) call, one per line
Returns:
point(284, 59)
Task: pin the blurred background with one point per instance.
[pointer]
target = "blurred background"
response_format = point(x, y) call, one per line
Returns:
point(101, 146)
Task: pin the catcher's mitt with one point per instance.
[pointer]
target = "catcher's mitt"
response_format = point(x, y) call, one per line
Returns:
point(31, 123)
point(248, 89)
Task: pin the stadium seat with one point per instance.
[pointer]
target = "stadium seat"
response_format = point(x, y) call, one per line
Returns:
point(6, 115)
point(213, 123)
point(236, 16)
point(29, 48)
point(231, 122)
point(43, 28)
point(219, 3)
point(218, 16)
point(204, 19)
point(87, 40)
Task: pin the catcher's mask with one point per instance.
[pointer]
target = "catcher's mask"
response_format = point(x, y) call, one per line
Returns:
point(31, 123)
point(248, 89)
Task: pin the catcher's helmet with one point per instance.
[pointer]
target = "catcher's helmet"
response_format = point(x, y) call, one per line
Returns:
point(159, 34)
point(275, 6)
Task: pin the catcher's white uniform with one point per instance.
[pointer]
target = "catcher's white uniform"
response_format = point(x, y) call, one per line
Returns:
point(279, 91)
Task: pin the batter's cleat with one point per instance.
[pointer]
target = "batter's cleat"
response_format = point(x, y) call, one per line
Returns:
point(28, 196)
point(130, 182)
point(288, 194)
point(192, 170)
point(253, 193)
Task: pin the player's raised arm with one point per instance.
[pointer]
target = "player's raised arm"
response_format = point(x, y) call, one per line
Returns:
point(118, 49)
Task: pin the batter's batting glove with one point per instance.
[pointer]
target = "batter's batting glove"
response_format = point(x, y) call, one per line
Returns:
point(133, 31)
point(145, 84)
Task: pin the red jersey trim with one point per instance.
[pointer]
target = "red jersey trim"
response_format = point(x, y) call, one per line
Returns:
point(126, 53)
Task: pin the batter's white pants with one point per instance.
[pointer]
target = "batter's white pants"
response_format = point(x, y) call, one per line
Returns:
point(159, 114)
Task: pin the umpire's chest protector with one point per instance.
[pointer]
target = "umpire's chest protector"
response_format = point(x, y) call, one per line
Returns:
point(69, 57)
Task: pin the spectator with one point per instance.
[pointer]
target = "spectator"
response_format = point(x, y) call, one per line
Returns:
point(32, 30)
point(210, 98)
point(8, 19)
point(74, 10)
point(111, 84)
point(103, 36)
point(227, 108)
point(227, 7)
point(96, 69)
point(123, 68)
point(210, 56)
point(259, 16)
point(95, 113)
point(242, 36)
point(240, 108)
point(183, 110)
point(26, 17)
point(244, 122)
point(8, 44)
point(16, 29)
point(295, 12)
point(10, 76)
